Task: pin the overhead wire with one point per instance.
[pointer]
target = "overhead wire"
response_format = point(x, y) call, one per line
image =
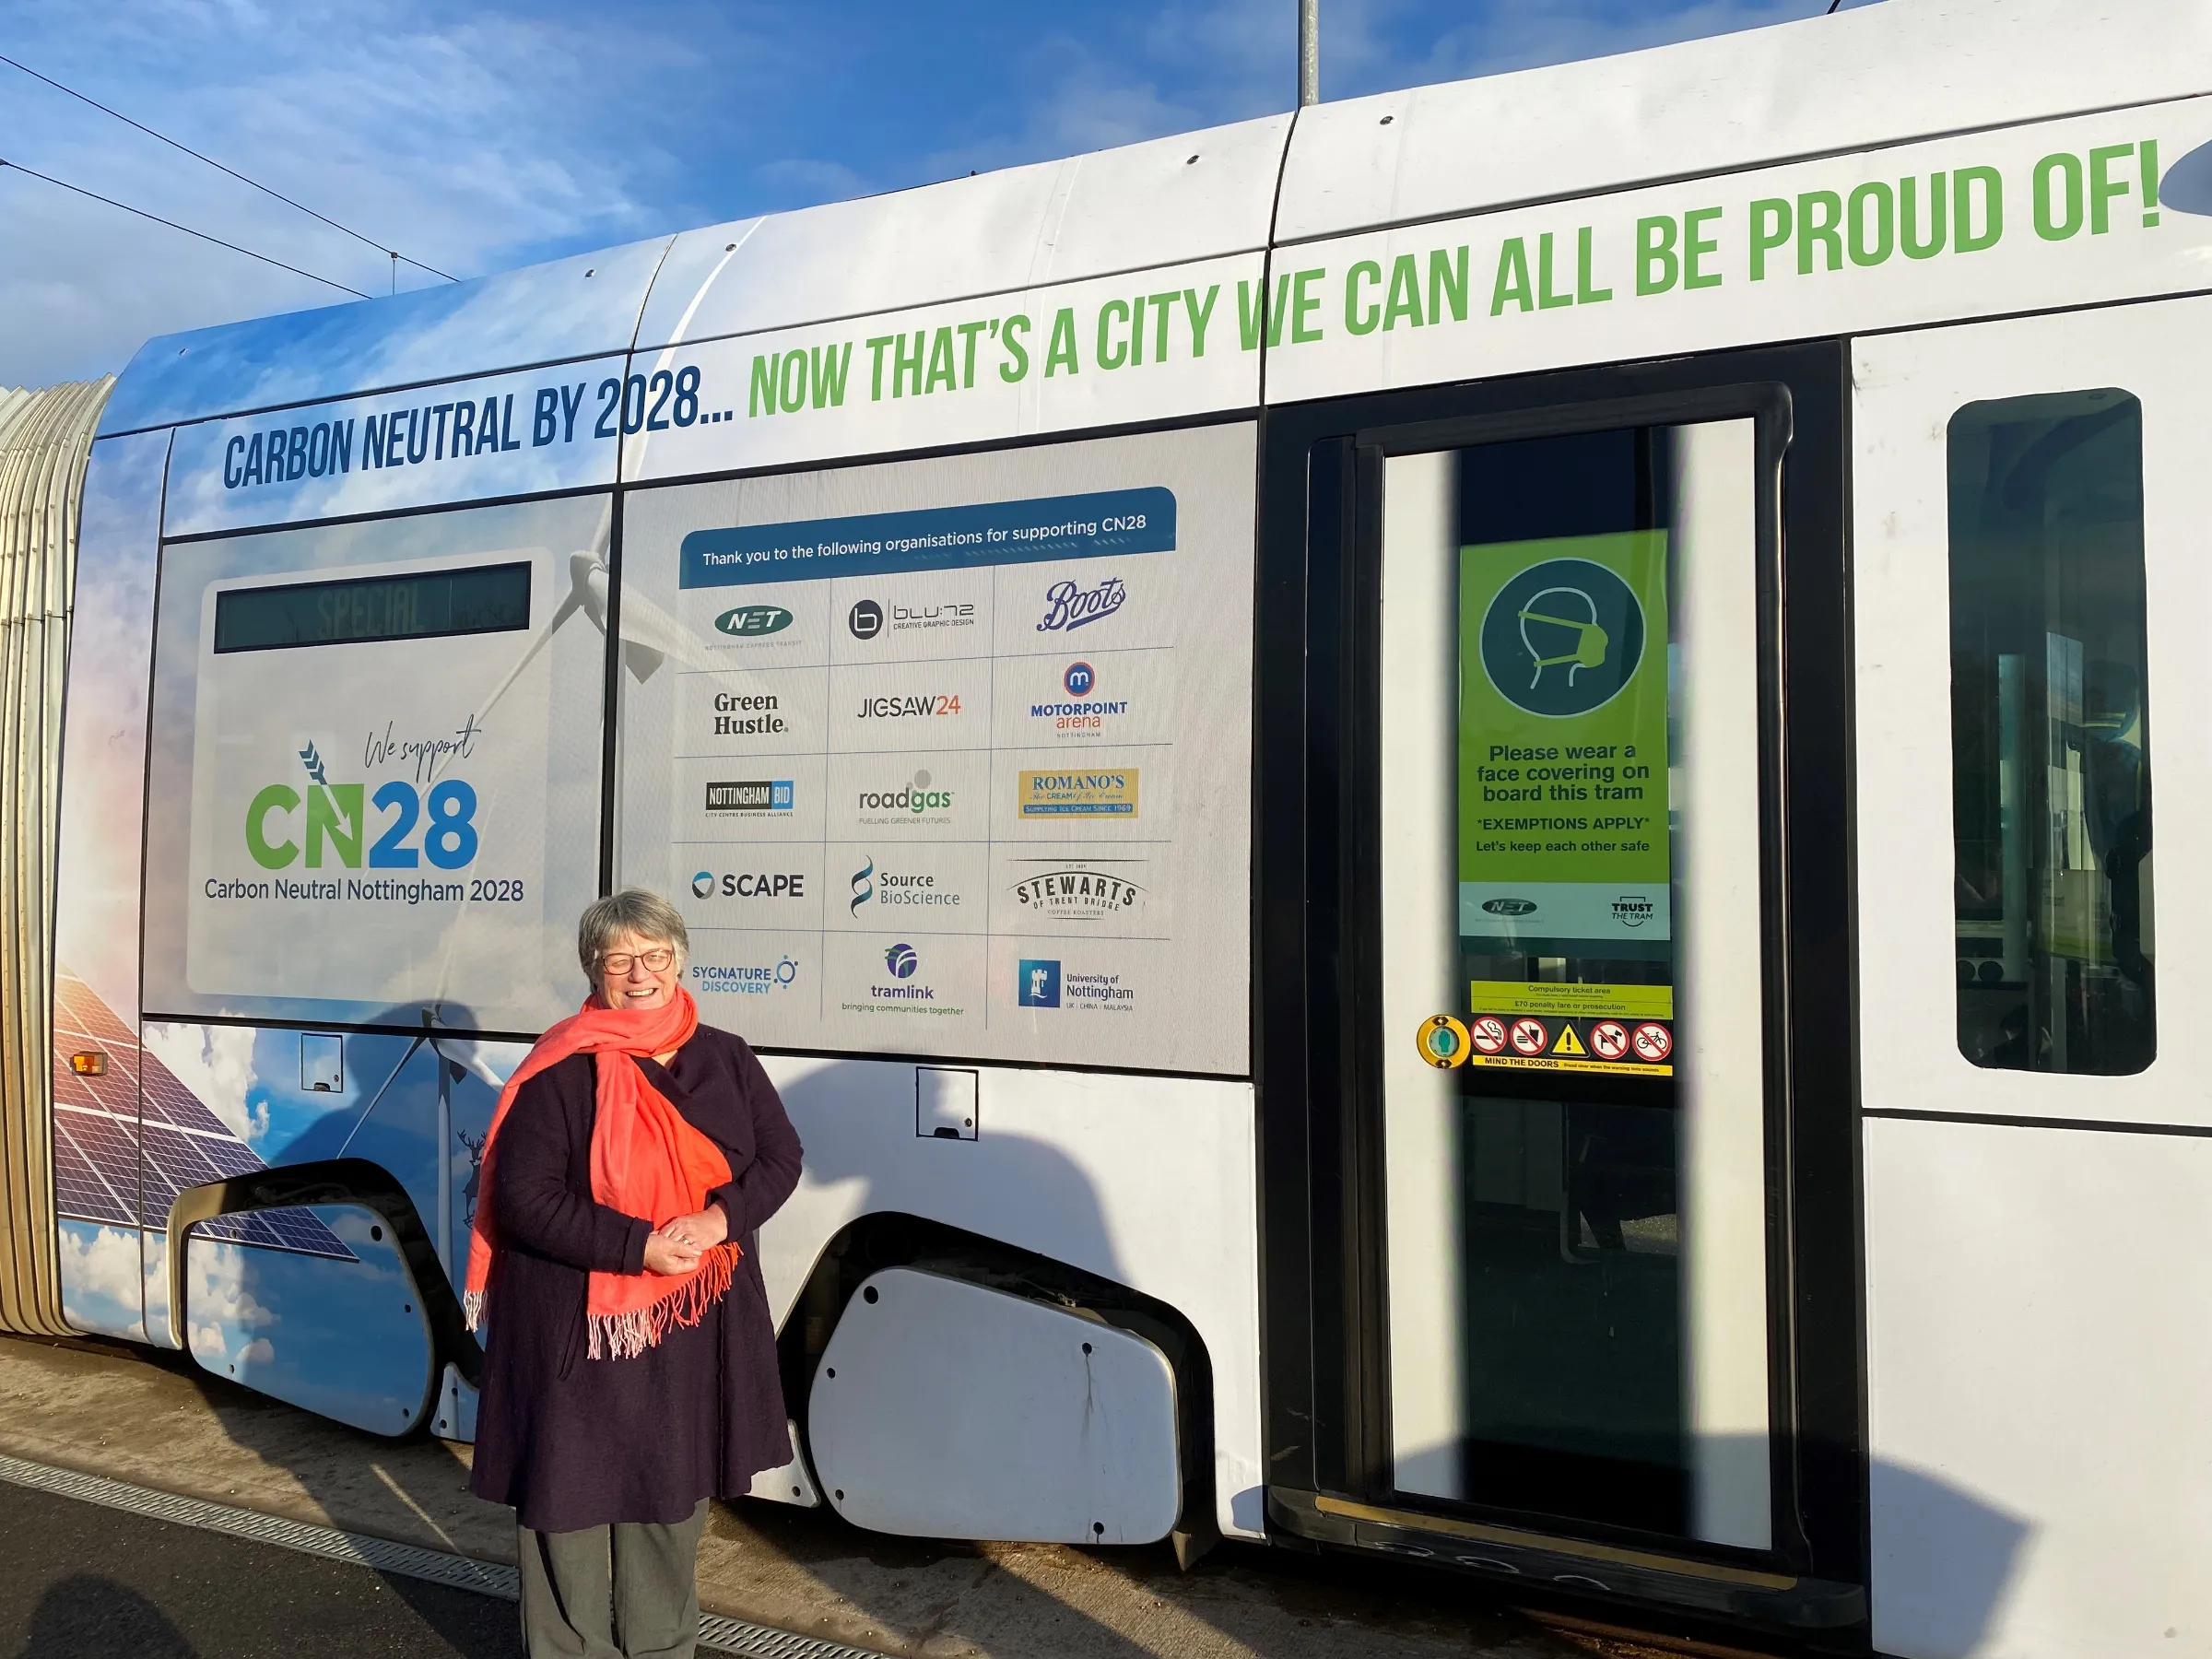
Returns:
point(79, 190)
point(174, 144)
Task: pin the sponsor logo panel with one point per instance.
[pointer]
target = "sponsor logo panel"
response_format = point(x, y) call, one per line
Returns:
point(943, 795)
point(900, 988)
point(1079, 893)
point(740, 712)
point(916, 887)
point(726, 799)
point(772, 885)
point(909, 706)
point(1100, 697)
point(918, 615)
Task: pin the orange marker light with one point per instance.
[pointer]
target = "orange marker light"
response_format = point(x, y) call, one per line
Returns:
point(90, 1064)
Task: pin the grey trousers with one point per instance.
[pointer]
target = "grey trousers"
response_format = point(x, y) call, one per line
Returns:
point(630, 1590)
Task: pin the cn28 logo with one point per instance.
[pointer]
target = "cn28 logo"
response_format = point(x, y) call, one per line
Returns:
point(334, 823)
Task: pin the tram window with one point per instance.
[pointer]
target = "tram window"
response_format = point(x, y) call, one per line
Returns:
point(2050, 735)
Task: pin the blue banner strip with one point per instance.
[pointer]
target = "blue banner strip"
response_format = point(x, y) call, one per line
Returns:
point(933, 538)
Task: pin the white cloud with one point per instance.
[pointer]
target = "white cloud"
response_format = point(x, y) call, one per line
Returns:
point(217, 1063)
point(218, 1302)
point(104, 1263)
point(260, 1352)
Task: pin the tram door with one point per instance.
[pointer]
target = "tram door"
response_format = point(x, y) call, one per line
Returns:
point(1573, 1062)
point(1568, 1136)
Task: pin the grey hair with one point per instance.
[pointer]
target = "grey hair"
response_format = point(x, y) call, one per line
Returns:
point(633, 910)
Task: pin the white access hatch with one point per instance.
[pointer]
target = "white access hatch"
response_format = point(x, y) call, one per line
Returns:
point(942, 1409)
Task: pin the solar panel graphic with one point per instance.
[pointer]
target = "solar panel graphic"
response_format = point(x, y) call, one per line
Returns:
point(109, 1164)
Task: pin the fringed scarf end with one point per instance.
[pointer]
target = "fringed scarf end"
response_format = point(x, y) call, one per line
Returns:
point(626, 1336)
point(472, 1310)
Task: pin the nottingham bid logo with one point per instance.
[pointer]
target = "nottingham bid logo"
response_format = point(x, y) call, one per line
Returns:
point(1562, 638)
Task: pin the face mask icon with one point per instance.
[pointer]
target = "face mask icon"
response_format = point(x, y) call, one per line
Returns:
point(1590, 641)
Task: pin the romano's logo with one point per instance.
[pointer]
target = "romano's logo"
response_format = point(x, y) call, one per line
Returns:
point(751, 621)
point(438, 827)
point(1077, 893)
point(1077, 793)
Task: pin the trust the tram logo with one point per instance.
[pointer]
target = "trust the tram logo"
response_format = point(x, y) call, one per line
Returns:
point(328, 823)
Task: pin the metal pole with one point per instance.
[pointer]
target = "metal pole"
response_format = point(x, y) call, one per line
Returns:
point(1309, 52)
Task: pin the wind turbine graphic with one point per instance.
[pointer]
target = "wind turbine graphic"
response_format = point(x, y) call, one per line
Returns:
point(650, 635)
point(457, 1057)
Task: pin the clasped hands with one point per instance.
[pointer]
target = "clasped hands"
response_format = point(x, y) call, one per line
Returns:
point(676, 1246)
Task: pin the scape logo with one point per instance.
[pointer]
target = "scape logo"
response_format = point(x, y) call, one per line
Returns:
point(333, 825)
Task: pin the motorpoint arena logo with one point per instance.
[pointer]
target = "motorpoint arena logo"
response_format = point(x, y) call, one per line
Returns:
point(1079, 680)
point(1562, 638)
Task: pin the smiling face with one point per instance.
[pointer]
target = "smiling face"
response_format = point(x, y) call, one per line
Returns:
point(627, 977)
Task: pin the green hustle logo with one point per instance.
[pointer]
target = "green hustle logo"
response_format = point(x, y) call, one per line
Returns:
point(334, 829)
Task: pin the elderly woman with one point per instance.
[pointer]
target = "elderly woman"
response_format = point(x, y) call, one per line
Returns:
point(629, 1366)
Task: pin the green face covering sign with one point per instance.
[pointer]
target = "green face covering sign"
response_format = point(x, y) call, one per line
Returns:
point(1563, 743)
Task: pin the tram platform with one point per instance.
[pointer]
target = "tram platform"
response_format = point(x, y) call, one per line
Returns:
point(139, 1421)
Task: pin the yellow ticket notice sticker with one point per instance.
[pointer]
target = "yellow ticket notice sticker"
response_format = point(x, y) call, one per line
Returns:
point(1576, 1002)
point(1622, 1047)
point(1101, 792)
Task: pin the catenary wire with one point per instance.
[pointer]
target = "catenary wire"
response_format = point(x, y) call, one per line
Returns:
point(211, 161)
point(204, 236)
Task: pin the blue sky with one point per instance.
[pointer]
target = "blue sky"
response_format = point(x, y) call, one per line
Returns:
point(477, 137)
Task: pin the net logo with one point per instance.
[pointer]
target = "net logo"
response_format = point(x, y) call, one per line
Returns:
point(334, 824)
point(1069, 606)
point(753, 621)
point(1037, 984)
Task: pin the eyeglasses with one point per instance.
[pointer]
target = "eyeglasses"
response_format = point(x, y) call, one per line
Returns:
point(654, 961)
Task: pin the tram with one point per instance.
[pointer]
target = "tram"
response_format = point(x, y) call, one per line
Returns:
point(1438, 813)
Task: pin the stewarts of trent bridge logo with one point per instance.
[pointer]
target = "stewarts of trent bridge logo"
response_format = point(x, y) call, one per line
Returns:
point(331, 819)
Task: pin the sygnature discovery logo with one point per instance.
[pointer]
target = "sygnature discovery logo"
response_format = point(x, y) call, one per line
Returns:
point(746, 979)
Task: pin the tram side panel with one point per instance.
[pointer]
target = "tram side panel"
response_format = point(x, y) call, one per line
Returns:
point(105, 1258)
point(2030, 500)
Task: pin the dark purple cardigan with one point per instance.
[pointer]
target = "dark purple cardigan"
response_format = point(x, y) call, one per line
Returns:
point(571, 1442)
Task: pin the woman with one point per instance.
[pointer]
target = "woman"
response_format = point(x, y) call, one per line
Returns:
point(630, 1368)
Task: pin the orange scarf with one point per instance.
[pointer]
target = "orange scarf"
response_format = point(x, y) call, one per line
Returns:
point(646, 1161)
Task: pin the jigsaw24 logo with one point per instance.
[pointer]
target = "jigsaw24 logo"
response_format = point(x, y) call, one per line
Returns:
point(333, 825)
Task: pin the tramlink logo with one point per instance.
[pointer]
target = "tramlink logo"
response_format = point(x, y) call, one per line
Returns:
point(334, 827)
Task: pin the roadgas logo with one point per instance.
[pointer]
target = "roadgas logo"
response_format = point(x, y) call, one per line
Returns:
point(909, 802)
point(327, 822)
point(753, 621)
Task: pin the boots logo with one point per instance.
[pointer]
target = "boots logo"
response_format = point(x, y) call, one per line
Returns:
point(438, 828)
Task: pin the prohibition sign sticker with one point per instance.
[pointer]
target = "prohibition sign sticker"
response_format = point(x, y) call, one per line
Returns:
point(1443, 1041)
point(1529, 1037)
point(1486, 1033)
point(1608, 1039)
point(1654, 1042)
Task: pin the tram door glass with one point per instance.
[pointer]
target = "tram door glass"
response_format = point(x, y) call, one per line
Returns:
point(1573, 1072)
point(2050, 734)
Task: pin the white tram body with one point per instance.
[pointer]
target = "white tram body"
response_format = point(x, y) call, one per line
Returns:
point(1437, 814)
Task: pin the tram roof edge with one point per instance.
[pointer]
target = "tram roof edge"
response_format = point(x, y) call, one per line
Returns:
point(1882, 74)
point(1876, 74)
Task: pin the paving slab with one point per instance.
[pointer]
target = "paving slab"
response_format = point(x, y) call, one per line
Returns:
point(159, 1421)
